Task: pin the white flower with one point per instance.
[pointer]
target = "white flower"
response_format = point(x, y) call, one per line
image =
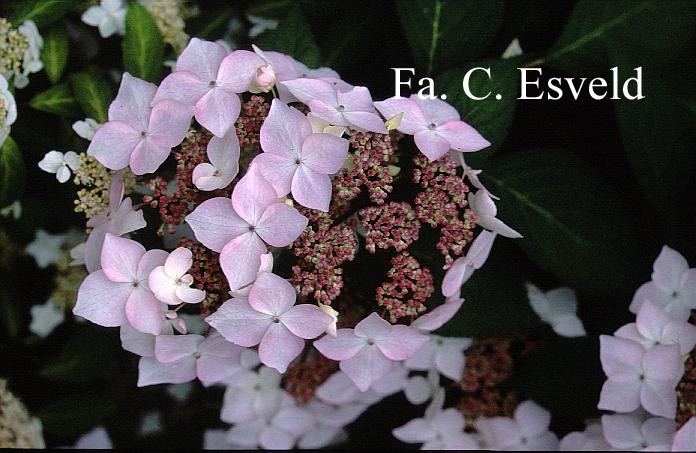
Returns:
point(260, 25)
point(331, 330)
point(109, 16)
point(96, 439)
point(45, 318)
point(151, 423)
point(60, 164)
point(557, 308)
point(8, 110)
point(484, 207)
point(14, 210)
point(87, 128)
point(32, 56)
point(77, 254)
point(513, 50)
point(46, 248)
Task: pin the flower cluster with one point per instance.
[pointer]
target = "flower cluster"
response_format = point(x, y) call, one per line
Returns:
point(20, 51)
point(17, 428)
point(265, 184)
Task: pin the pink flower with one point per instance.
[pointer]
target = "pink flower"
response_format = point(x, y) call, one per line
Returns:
point(435, 125)
point(484, 207)
point(463, 267)
point(136, 133)
point(252, 394)
point(208, 79)
point(271, 320)
point(118, 219)
point(368, 352)
point(441, 430)
point(527, 430)
point(638, 377)
point(445, 354)
point(171, 284)
point(238, 228)
point(438, 316)
point(592, 439)
point(673, 286)
point(352, 108)
point(182, 358)
point(654, 326)
point(223, 154)
point(632, 432)
point(297, 160)
point(119, 292)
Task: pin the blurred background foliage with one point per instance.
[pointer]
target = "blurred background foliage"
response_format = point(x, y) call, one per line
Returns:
point(595, 187)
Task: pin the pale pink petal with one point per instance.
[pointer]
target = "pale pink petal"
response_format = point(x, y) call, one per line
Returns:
point(417, 430)
point(285, 66)
point(337, 389)
point(366, 367)
point(151, 371)
point(205, 177)
point(148, 156)
point(144, 311)
point(328, 112)
point(120, 258)
point(125, 219)
point(482, 203)
point(202, 58)
point(271, 294)
point(239, 323)
point(630, 332)
point(373, 327)
point(324, 153)
point(680, 333)
point(116, 190)
point(431, 144)
point(658, 431)
point(113, 144)
point(169, 122)
point(496, 225)
point(217, 110)
point(311, 189)
point(284, 130)
point(272, 438)
point(215, 223)
point(480, 249)
point(162, 286)
point(341, 347)
point(664, 363)
point(215, 345)
point(532, 418)
point(150, 260)
point(651, 320)
point(178, 262)
point(659, 398)
point(137, 342)
point(241, 259)
point(279, 347)
point(182, 86)
point(685, 439)
point(132, 103)
point(622, 431)
point(621, 396)
point(366, 120)
point(307, 90)
point(449, 360)
point(238, 70)
point(170, 348)
point(277, 170)
point(281, 224)
point(252, 195)
point(306, 321)
point(458, 273)
point(424, 358)
point(102, 301)
point(462, 137)
point(93, 247)
point(246, 434)
point(644, 292)
point(620, 358)
point(189, 295)
point(437, 317)
point(500, 433)
point(413, 119)
point(436, 111)
point(211, 369)
point(358, 99)
point(401, 342)
point(418, 390)
point(668, 268)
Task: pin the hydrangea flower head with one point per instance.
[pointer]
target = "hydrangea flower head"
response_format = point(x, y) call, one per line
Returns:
point(171, 284)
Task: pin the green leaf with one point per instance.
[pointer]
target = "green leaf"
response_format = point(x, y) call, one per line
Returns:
point(491, 117)
point(43, 12)
point(293, 37)
point(657, 31)
point(54, 53)
point(447, 33)
point(93, 93)
point(10, 318)
point(495, 299)
point(572, 220)
point(143, 47)
point(11, 172)
point(58, 100)
point(659, 137)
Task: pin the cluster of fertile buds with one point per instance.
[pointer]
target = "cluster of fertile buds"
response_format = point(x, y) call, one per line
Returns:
point(141, 291)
